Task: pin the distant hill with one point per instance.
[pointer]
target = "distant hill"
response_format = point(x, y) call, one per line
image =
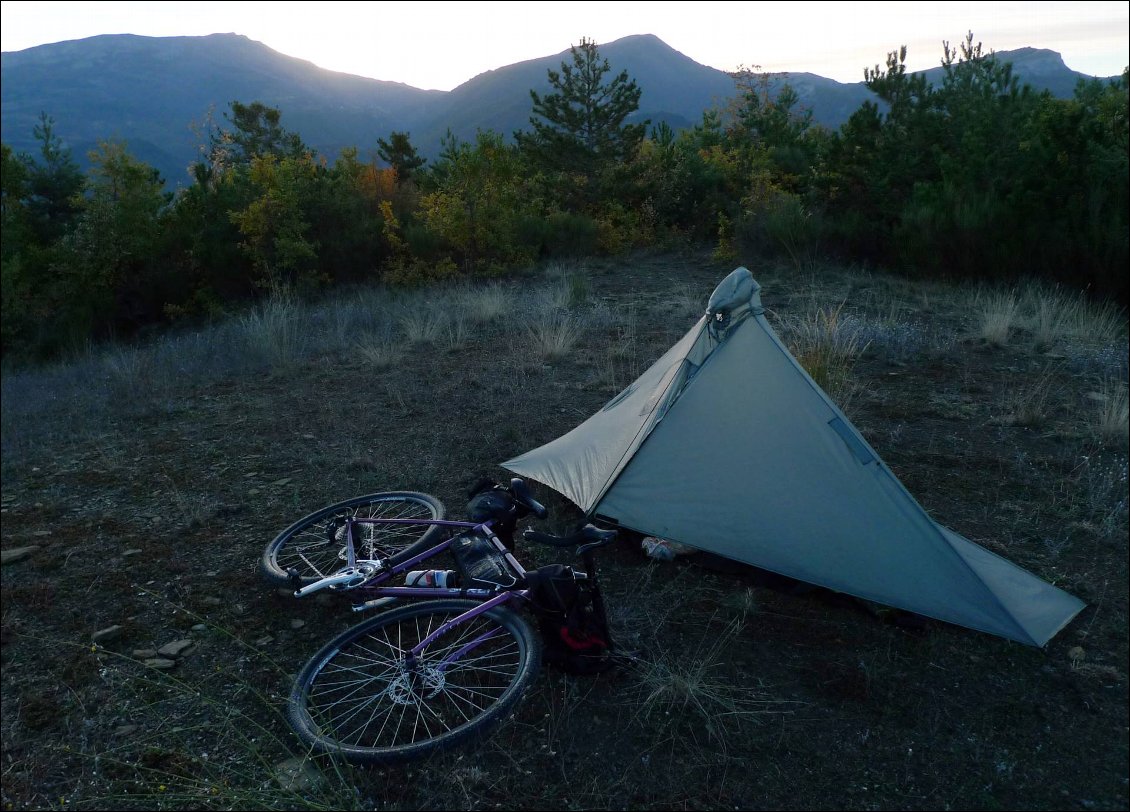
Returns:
point(152, 92)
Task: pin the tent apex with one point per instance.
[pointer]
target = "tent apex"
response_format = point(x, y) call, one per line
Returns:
point(737, 290)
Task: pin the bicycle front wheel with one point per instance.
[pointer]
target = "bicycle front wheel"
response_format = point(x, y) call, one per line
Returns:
point(361, 696)
point(307, 547)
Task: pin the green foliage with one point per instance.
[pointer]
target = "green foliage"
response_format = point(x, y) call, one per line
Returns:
point(274, 224)
point(982, 177)
point(570, 235)
point(41, 201)
point(256, 132)
point(54, 184)
point(580, 129)
point(108, 269)
point(979, 177)
point(475, 208)
point(13, 210)
point(399, 153)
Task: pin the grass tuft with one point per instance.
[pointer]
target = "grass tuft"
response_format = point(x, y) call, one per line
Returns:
point(1112, 424)
point(273, 332)
point(553, 335)
point(378, 351)
point(996, 316)
point(485, 304)
point(827, 345)
point(422, 326)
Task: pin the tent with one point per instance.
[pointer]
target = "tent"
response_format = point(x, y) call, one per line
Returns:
point(727, 445)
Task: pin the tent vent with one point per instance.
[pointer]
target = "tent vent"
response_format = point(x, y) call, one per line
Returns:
point(862, 453)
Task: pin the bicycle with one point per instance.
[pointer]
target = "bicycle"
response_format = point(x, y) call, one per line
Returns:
point(423, 677)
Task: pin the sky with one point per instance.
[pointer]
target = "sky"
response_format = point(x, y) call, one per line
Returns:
point(439, 46)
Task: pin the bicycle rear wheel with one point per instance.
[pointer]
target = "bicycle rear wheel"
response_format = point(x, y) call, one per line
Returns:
point(307, 547)
point(360, 699)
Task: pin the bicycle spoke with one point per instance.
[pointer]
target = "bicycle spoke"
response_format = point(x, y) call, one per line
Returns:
point(308, 547)
point(370, 694)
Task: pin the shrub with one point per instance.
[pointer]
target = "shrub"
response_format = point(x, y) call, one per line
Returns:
point(571, 235)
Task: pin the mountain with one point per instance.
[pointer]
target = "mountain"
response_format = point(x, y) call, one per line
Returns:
point(153, 91)
point(156, 92)
point(673, 88)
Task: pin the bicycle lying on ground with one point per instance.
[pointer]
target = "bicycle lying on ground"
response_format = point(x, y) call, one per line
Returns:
point(430, 674)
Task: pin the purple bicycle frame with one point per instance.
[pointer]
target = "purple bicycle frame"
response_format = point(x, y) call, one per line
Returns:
point(374, 585)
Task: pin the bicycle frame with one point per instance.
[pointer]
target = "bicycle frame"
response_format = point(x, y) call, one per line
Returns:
point(384, 573)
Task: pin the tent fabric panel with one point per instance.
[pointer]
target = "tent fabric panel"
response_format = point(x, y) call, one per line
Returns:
point(1040, 608)
point(750, 465)
point(581, 463)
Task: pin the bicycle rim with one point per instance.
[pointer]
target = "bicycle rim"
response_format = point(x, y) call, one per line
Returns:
point(306, 546)
point(359, 698)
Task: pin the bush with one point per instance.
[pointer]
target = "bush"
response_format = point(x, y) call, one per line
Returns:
point(571, 235)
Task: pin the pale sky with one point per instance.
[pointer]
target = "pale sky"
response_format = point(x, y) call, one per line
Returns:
point(441, 45)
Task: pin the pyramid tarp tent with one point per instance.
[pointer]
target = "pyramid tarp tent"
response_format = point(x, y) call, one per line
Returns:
point(727, 445)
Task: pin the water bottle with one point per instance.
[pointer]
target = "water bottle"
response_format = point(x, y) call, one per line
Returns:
point(658, 548)
point(439, 579)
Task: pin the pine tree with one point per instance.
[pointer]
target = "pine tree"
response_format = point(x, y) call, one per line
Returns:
point(580, 128)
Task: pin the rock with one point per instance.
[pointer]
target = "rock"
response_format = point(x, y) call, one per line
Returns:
point(175, 648)
point(107, 634)
point(42, 533)
point(264, 640)
point(211, 601)
point(200, 627)
point(297, 624)
point(297, 775)
point(160, 663)
point(144, 653)
point(11, 556)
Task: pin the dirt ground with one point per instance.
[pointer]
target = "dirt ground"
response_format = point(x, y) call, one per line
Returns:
point(149, 506)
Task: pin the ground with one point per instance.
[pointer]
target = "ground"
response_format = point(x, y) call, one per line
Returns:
point(148, 480)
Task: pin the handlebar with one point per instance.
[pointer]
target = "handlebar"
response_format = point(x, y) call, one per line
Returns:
point(521, 493)
point(587, 538)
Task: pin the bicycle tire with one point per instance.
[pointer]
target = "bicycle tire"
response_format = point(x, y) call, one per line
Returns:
point(380, 713)
point(306, 547)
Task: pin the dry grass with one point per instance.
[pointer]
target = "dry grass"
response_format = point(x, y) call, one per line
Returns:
point(688, 691)
point(731, 674)
point(487, 304)
point(1054, 316)
point(379, 351)
point(423, 325)
point(827, 345)
point(553, 335)
point(274, 332)
point(996, 314)
point(1112, 421)
point(1030, 405)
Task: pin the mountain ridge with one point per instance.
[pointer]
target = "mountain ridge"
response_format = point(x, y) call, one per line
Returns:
point(153, 91)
